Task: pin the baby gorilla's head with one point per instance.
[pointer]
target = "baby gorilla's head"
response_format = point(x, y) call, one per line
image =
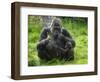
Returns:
point(68, 45)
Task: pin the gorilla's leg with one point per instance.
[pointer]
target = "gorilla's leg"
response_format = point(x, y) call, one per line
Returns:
point(42, 51)
point(69, 55)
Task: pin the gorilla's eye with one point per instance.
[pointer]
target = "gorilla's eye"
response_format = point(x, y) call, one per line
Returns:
point(56, 24)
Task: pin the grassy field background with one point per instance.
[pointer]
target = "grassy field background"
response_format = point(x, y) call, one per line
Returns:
point(77, 28)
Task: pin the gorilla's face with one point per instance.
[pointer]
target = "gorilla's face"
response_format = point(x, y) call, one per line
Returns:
point(56, 29)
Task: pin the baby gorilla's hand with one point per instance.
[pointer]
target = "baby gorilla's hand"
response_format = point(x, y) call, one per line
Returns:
point(68, 45)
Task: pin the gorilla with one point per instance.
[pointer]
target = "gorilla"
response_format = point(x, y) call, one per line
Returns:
point(56, 42)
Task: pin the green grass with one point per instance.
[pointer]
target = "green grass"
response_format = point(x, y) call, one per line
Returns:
point(78, 30)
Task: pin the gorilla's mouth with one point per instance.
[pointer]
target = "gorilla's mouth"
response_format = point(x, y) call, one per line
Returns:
point(55, 35)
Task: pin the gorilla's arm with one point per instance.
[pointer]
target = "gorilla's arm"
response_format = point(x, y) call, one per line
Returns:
point(44, 33)
point(68, 37)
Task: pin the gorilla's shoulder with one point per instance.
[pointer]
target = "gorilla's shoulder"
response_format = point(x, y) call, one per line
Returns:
point(65, 32)
point(46, 29)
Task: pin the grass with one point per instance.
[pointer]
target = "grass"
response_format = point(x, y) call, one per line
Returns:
point(77, 28)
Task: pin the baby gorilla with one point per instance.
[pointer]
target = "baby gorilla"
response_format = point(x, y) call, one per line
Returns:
point(56, 43)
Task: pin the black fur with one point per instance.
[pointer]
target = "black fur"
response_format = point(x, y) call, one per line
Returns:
point(59, 44)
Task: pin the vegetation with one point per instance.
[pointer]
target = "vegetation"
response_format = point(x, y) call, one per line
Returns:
point(75, 25)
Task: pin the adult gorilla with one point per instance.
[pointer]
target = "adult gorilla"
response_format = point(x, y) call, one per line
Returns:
point(56, 42)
